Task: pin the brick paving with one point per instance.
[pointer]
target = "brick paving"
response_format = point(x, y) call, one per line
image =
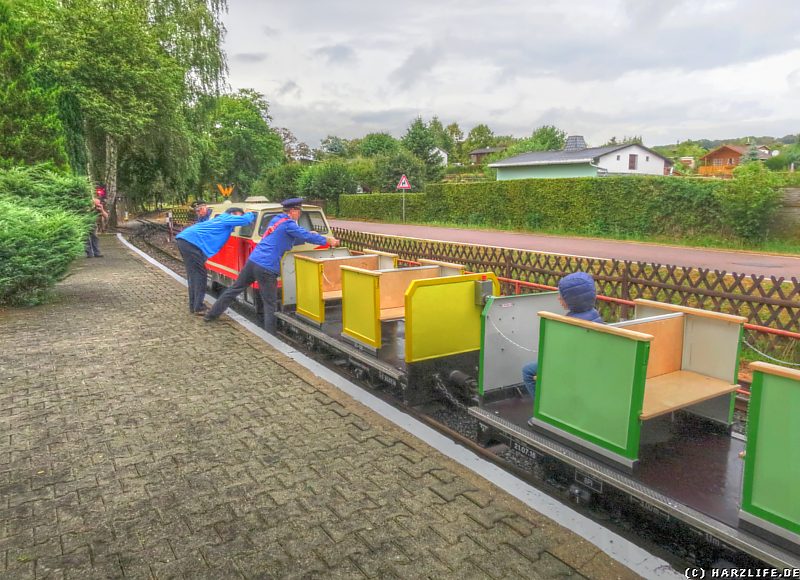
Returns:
point(138, 442)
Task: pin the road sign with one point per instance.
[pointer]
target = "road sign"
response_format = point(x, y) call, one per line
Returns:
point(225, 191)
point(403, 183)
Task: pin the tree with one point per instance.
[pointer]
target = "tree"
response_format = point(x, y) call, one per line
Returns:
point(420, 142)
point(280, 182)
point(389, 168)
point(328, 180)
point(333, 146)
point(479, 136)
point(632, 140)
point(292, 147)
point(243, 143)
point(441, 137)
point(455, 132)
point(544, 138)
point(30, 130)
point(377, 144)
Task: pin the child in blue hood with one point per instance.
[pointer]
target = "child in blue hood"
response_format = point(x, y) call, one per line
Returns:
point(577, 294)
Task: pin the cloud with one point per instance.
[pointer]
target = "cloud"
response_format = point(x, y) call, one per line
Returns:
point(250, 57)
point(793, 79)
point(270, 32)
point(416, 66)
point(336, 53)
point(289, 88)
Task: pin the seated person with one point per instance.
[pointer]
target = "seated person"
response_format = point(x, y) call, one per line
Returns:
point(577, 295)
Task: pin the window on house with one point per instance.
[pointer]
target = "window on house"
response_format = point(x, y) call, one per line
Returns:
point(617, 157)
point(647, 158)
point(632, 161)
point(716, 161)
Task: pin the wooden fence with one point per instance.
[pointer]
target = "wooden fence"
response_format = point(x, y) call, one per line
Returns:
point(765, 301)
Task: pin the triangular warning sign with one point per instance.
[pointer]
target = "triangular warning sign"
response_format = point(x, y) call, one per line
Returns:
point(403, 183)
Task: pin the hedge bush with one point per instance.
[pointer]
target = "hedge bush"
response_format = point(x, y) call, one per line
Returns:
point(36, 248)
point(44, 219)
point(610, 205)
point(41, 188)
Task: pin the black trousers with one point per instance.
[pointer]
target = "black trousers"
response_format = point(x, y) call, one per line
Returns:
point(92, 244)
point(267, 289)
point(195, 261)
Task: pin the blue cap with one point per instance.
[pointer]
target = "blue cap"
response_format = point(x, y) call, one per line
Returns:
point(577, 290)
point(292, 202)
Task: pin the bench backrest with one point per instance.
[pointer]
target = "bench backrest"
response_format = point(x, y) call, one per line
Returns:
point(394, 283)
point(443, 318)
point(386, 260)
point(288, 274)
point(332, 273)
point(445, 268)
point(710, 340)
point(591, 383)
point(770, 490)
point(666, 348)
point(510, 330)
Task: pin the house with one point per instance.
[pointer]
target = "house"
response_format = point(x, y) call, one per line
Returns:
point(441, 154)
point(477, 156)
point(721, 162)
point(578, 160)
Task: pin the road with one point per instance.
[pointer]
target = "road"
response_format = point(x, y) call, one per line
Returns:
point(727, 260)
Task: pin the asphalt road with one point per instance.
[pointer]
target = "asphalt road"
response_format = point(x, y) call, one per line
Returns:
point(729, 261)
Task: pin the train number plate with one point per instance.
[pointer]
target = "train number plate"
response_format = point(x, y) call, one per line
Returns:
point(524, 450)
point(588, 481)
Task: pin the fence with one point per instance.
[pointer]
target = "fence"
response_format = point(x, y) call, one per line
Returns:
point(766, 302)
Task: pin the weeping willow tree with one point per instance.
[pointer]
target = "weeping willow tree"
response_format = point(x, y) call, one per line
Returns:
point(127, 70)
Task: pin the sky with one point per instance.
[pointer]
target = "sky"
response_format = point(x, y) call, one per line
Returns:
point(667, 70)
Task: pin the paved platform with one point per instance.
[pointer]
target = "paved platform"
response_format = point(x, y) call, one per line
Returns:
point(137, 441)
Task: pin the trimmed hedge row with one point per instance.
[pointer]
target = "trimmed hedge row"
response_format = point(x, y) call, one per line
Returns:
point(624, 205)
point(44, 220)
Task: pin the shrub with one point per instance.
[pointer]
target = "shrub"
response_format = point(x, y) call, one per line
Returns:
point(278, 183)
point(36, 248)
point(619, 205)
point(749, 200)
point(327, 180)
point(41, 188)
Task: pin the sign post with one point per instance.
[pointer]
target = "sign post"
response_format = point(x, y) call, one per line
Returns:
point(225, 191)
point(404, 185)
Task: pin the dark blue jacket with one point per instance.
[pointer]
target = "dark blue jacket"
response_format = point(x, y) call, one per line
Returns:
point(211, 235)
point(578, 291)
point(271, 248)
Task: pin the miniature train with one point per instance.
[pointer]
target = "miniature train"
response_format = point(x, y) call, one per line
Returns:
point(639, 410)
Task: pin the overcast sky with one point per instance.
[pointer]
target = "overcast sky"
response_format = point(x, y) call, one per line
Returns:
point(665, 69)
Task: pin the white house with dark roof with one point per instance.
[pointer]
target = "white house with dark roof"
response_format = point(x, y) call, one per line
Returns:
point(578, 160)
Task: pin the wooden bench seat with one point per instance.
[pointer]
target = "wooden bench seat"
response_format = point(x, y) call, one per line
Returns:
point(677, 390)
point(393, 313)
point(332, 295)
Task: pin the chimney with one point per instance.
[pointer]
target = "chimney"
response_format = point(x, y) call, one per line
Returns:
point(575, 143)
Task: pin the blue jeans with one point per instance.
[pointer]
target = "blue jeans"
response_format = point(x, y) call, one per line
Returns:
point(529, 377)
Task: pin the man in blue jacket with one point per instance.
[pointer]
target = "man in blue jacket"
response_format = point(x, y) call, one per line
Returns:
point(264, 264)
point(199, 242)
point(577, 295)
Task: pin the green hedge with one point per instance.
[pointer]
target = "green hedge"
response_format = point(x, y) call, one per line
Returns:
point(609, 205)
point(44, 221)
point(36, 248)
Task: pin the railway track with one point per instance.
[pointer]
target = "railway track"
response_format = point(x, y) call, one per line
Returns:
point(450, 418)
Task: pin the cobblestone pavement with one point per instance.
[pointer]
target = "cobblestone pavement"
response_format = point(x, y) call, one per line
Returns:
point(138, 442)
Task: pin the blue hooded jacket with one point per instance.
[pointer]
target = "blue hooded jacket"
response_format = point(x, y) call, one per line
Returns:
point(271, 248)
point(211, 235)
point(578, 291)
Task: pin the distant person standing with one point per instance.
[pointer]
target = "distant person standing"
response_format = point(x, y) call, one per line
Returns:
point(264, 264)
point(199, 242)
point(202, 211)
point(93, 243)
